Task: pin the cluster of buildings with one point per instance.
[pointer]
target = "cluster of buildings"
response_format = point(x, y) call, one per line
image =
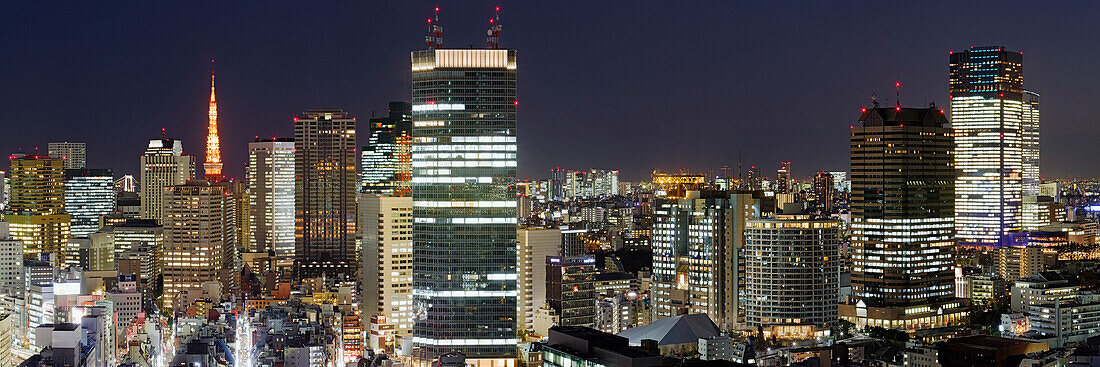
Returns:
point(421, 247)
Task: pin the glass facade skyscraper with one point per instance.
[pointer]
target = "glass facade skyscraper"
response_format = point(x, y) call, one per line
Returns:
point(464, 204)
point(996, 122)
point(89, 194)
point(387, 159)
point(271, 198)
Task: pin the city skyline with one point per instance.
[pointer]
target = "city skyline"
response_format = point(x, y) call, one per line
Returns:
point(263, 84)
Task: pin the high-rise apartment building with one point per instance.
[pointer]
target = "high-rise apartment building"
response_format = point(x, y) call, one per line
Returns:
point(72, 155)
point(197, 234)
point(698, 259)
point(386, 260)
point(162, 165)
point(324, 201)
point(387, 157)
point(36, 208)
point(464, 205)
point(535, 246)
point(792, 275)
point(89, 195)
point(1018, 262)
point(902, 220)
point(996, 126)
point(270, 175)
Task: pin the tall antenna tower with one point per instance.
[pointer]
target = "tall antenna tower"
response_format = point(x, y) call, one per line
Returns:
point(493, 39)
point(434, 39)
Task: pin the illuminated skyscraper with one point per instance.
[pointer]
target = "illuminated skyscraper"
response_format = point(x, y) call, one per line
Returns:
point(387, 157)
point(72, 155)
point(464, 205)
point(213, 165)
point(386, 282)
point(162, 165)
point(197, 232)
point(324, 202)
point(783, 178)
point(902, 228)
point(36, 208)
point(996, 136)
point(271, 198)
point(1030, 134)
point(89, 194)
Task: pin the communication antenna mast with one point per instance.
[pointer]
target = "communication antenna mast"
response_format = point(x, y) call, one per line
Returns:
point(897, 96)
point(493, 39)
point(434, 39)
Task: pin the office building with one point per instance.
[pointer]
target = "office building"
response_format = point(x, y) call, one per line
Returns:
point(197, 234)
point(162, 165)
point(571, 289)
point(996, 126)
point(1041, 211)
point(73, 155)
point(698, 260)
point(783, 178)
point(582, 346)
point(1045, 288)
point(792, 275)
point(324, 202)
point(387, 157)
point(36, 208)
point(11, 263)
point(824, 189)
point(464, 206)
point(535, 246)
point(902, 220)
point(139, 245)
point(1029, 133)
point(270, 175)
point(89, 196)
point(386, 284)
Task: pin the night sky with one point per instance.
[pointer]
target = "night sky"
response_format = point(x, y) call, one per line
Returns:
point(629, 85)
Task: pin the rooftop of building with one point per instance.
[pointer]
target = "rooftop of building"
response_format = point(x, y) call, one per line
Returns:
point(901, 116)
point(985, 342)
point(674, 330)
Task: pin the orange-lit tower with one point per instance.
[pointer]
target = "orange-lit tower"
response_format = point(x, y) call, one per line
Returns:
point(213, 165)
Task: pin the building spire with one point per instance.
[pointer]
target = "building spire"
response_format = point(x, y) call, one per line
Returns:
point(213, 164)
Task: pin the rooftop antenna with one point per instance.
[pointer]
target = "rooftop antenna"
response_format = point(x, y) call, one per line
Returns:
point(874, 99)
point(434, 39)
point(897, 95)
point(162, 135)
point(492, 42)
